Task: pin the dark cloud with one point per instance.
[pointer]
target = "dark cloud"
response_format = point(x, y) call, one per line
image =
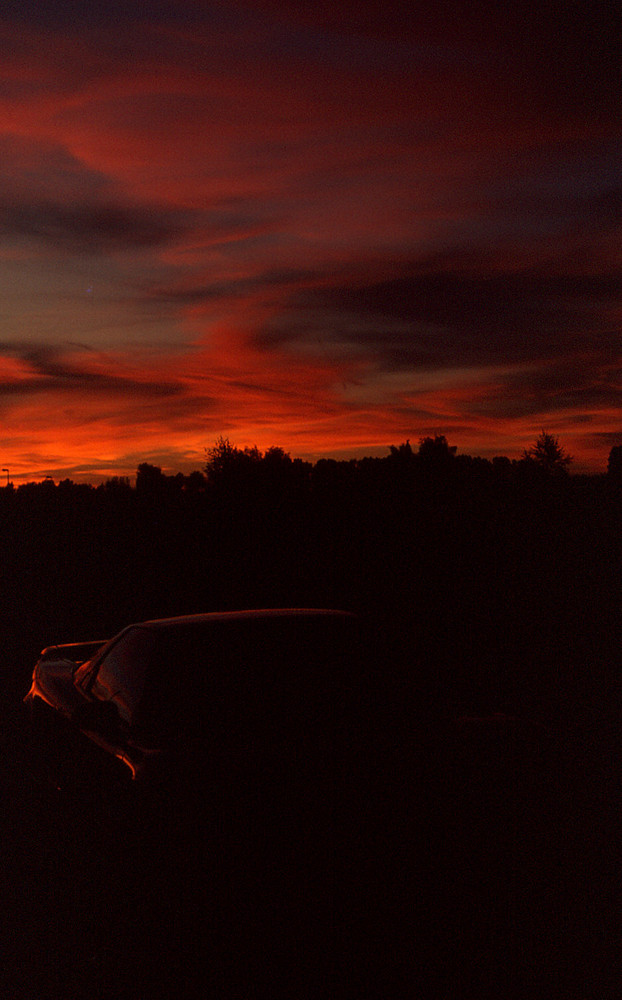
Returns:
point(441, 317)
point(97, 13)
point(50, 372)
point(38, 170)
point(515, 399)
point(89, 227)
point(563, 57)
point(193, 290)
point(574, 189)
point(582, 388)
point(610, 438)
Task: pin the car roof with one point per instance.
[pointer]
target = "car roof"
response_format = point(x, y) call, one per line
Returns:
point(251, 614)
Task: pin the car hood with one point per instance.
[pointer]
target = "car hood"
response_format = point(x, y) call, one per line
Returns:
point(52, 681)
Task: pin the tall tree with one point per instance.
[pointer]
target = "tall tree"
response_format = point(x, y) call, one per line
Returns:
point(228, 465)
point(548, 455)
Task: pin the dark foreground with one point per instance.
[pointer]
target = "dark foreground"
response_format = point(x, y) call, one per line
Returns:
point(461, 859)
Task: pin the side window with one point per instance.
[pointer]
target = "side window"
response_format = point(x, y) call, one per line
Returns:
point(121, 674)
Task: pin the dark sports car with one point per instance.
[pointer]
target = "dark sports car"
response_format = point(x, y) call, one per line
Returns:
point(228, 681)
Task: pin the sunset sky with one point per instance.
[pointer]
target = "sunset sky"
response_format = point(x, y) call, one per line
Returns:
point(328, 227)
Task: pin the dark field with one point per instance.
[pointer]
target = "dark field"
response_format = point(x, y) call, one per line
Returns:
point(474, 858)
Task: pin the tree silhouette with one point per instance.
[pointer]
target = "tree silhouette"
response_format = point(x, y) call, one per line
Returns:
point(149, 479)
point(548, 455)
point(402, 452)
point(228, 464)
point(614, 465)
point(436, 449)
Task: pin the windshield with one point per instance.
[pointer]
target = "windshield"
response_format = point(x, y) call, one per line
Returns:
point(166, 681)
point(120, 674)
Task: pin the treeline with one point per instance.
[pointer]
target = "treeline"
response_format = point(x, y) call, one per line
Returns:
point(495, 583)
point(229, 469)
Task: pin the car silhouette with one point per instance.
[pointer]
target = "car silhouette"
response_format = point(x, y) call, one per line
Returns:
point(228, 684)
point(251, 797)
point(203, 772)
